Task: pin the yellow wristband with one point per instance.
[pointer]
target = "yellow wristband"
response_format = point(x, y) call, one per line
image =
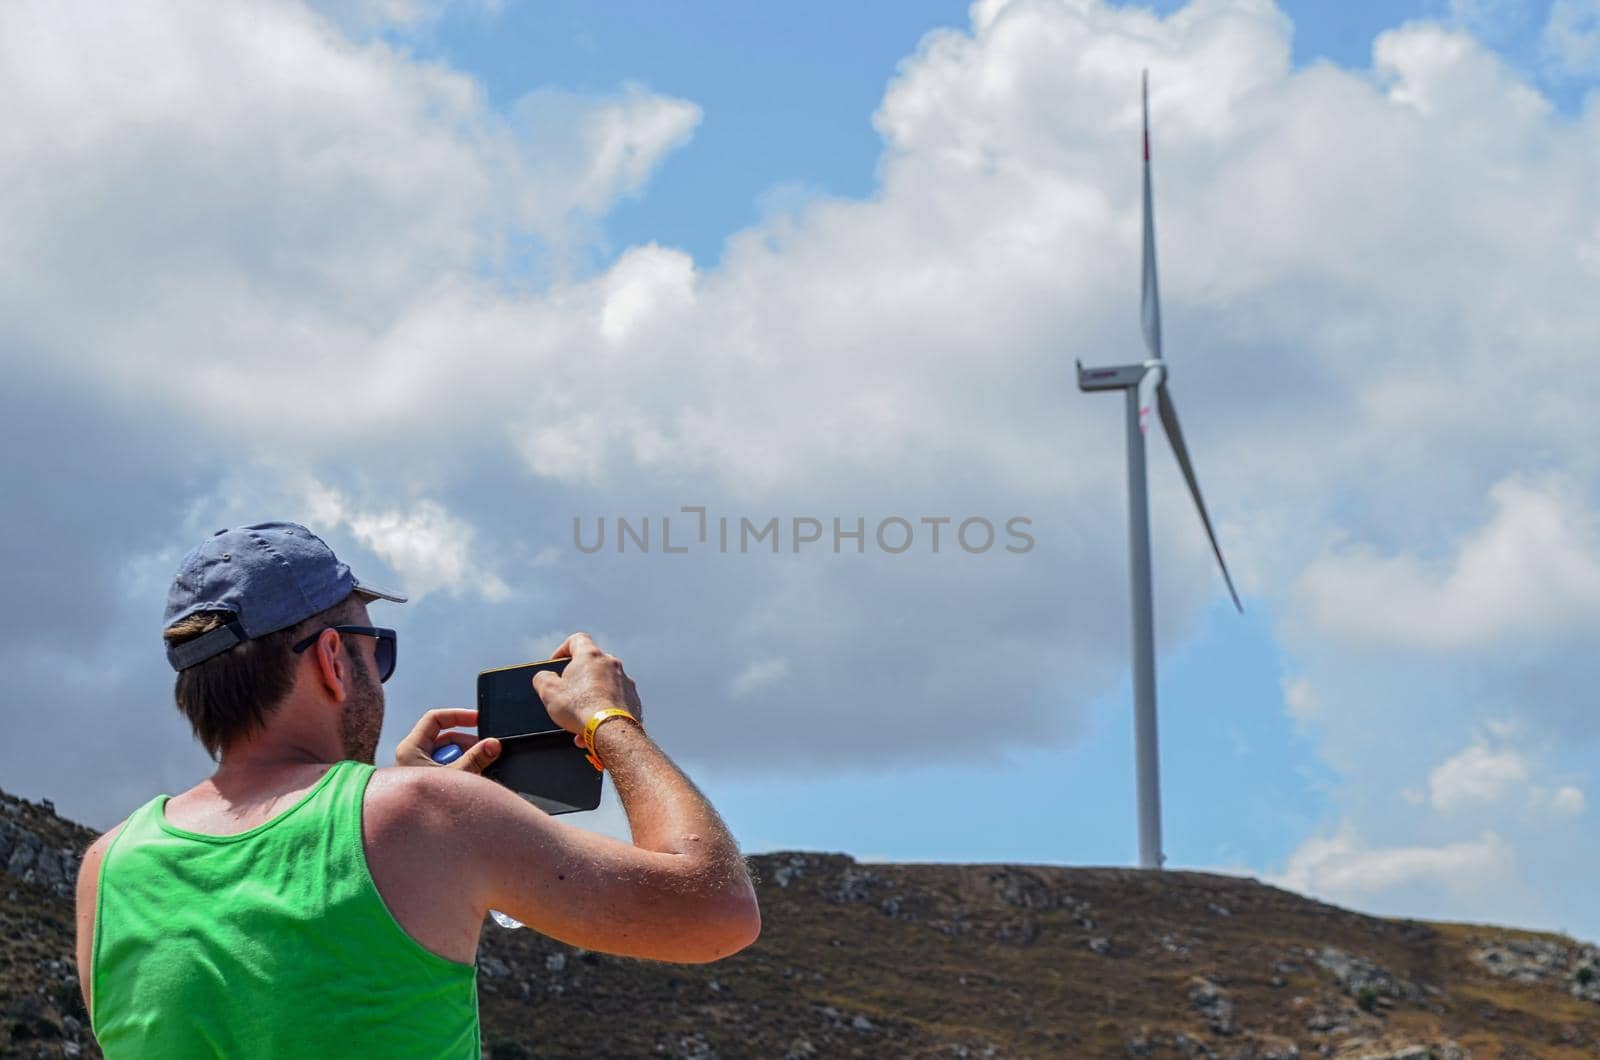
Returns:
point(594, 724)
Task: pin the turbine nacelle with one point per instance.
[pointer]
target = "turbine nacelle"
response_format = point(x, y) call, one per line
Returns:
point(1115, 377)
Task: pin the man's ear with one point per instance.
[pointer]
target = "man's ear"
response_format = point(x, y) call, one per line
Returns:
point(333, 669)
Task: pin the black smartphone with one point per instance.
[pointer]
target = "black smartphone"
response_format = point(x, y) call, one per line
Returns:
point(538, 759)
point(507, 703)
point(548, 770)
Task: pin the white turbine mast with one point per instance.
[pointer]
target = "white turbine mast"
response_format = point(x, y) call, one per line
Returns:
point(1146, 382)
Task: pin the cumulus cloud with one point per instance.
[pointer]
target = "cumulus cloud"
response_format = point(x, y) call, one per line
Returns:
point(429, 548)
point(1299, 699)
point(252, 218)
point(1479, 775)
point(591, 152)
point(287, 257)
point(1491, 775)
point(1571, 38)
point(1568, 801)
point(1456, 878)
point(1531, 572)
point(759, 674)
point(369, 16)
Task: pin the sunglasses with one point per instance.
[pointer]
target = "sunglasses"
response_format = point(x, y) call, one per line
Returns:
point(388, 645)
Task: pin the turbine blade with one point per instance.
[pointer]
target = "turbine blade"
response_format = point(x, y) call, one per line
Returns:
point(1169, 420)
point(1150, 301)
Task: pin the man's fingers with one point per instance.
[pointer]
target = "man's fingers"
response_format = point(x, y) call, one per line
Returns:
point(576, 645)
point(546, 681)
point(429, 724)
point(478, 757)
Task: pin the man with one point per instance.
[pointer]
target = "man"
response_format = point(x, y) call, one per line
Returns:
point(301, 902)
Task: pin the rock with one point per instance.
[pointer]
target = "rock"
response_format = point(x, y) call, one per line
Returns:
point(494, 967)
point(1021, 889)
point(1212, 1003)
point(555, 962)
point(793, 869)
point(1271, 1049)
point(855, 885)
point(861, 1023)
point(1362, 979)
point(1173, 944)
point(693, 1045)
point(1190, 1046)
point(24, 851)
point(1147, 1044)
point(1536, 960)
point(1020, 932)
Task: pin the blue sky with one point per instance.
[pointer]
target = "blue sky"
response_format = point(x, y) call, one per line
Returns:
point(788, 95)
point(565, 260)
point(789, 91)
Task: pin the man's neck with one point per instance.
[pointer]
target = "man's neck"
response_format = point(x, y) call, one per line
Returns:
point(258, 763)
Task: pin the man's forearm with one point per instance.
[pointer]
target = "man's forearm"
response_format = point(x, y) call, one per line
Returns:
point(666, 812)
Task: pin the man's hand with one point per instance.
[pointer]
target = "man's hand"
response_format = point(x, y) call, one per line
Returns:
point(428, 736)
point(591, 682)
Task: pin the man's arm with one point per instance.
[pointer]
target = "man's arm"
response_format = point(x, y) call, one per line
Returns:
point(678, 893)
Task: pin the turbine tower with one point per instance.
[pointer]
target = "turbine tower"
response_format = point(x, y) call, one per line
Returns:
point(1146, 382)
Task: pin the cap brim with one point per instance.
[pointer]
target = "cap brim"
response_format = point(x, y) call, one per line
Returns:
point(372, 592)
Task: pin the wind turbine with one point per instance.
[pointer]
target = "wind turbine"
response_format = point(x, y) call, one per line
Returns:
point(1146, 383)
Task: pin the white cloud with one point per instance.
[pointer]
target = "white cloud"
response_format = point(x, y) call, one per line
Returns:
point(1571, 38)
point(1492, 777)
point(368, 16)
point(1531, 572)
point(757, 675)
point(1478, 776)
point(1568, 801)
point(646, 285)
point(288, 250)
point(1491, 20)
point(1343, 868)
point(1437, 72)
point(588, 152)
point(280, 206)
point(1299, 700)
point(431, 550)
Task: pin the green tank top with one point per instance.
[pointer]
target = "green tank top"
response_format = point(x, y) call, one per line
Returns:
point(270, 943)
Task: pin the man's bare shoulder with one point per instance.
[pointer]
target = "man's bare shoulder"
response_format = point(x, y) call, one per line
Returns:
point(88, 894)
point(89, 868)
point(406, 799)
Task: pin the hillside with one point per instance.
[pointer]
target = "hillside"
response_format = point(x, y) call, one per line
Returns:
point(947, 961)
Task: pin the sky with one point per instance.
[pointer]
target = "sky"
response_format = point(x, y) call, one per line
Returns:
point(463, 286)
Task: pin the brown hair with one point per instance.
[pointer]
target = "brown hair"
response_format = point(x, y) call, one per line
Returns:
point(232, 694)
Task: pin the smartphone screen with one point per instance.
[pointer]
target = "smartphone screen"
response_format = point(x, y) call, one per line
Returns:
point(548, 770)
point(507, 703)
point(538, 759)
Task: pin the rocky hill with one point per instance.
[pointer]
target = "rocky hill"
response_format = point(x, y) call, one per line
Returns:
point(944, 961)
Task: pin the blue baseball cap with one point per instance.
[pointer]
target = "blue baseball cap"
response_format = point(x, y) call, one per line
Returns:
point(270, 575)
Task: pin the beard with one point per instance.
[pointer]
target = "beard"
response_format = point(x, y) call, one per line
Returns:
point(361, 723)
